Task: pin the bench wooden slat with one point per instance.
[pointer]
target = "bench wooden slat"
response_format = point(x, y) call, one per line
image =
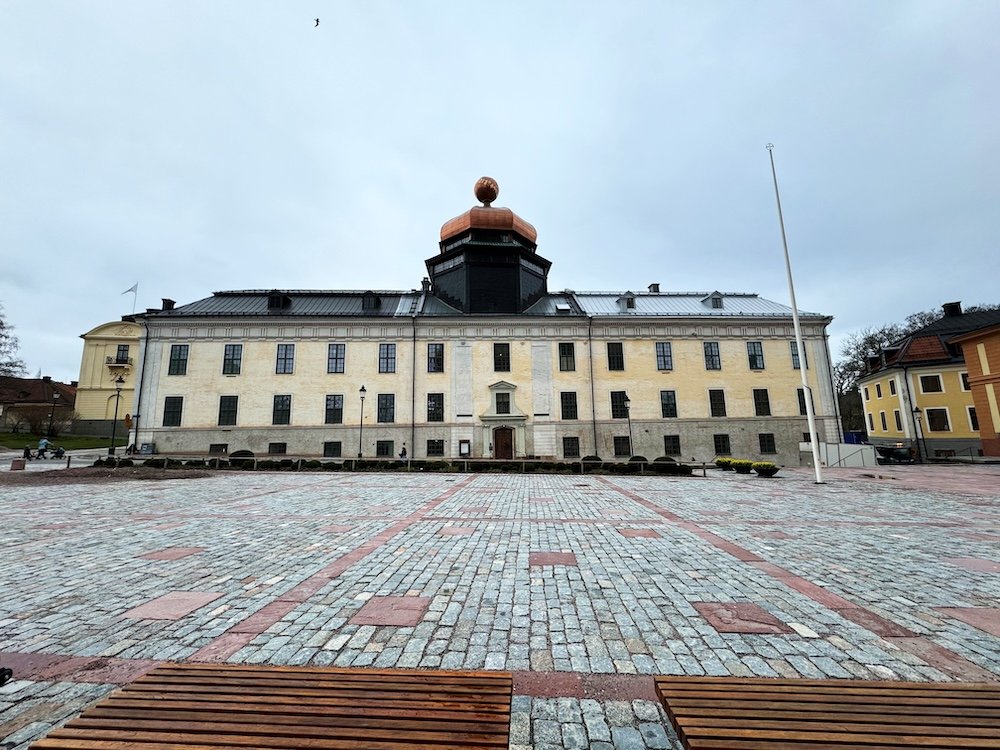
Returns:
point(751, 713)
point(191, 707)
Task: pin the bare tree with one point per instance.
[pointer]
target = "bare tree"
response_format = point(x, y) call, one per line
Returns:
point(10, 364)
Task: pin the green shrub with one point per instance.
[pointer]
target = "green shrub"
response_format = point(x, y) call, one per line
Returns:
point(152, 463)
point(267, 464)
point(639, 459)
point(726, 464)
point(742, 466)
point(664, 460)
point(331, 466)
point(126, 462)
point(765, 468)
point(312, 465)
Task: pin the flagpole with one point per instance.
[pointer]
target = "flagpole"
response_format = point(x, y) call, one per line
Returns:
point(135, 296)
point(803, 360)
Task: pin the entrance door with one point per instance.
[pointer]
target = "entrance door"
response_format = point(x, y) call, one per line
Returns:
point(503, 443)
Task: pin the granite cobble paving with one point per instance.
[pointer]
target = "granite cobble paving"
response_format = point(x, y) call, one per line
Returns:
point(527, 573)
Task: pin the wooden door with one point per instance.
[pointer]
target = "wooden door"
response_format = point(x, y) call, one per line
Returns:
point(503, 443)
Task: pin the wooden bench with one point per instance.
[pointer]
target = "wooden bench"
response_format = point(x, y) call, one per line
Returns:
point(213, 707)
point(773, 714)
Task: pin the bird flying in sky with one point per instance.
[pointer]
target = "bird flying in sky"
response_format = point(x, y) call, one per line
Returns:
point(317, 23)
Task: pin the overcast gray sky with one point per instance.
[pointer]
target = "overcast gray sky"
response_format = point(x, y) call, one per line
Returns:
point(196, 146)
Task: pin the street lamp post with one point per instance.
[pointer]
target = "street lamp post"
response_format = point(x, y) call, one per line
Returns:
point(361, 427)
point(921, 451)
point(628, 416)
point(52, 414)
point(119, 382)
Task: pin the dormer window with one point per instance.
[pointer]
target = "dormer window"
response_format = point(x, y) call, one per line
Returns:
point(278, 301)
point(630, 303)
point(626, 302)
point(716, 303)
point(370, 301)
point(714, 300)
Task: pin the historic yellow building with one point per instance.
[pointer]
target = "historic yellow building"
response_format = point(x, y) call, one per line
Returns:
point(917, 393)
point(110, 352)
point(482, 361)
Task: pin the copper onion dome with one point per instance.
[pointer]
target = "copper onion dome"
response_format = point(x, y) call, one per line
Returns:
point(486, 216)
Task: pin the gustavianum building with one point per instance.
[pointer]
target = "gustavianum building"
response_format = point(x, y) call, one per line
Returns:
point(482, 361)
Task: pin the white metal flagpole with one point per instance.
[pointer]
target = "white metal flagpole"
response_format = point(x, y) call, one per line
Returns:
point(803, 360)
point(135, 294)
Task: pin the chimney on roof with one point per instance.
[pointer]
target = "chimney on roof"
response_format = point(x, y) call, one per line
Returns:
point(425, 285)
point(952, 309)
point(74, 384)
point(654, 288)
point(46, 378)
point(168, 304)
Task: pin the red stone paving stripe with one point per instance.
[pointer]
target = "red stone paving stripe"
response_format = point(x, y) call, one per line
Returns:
point(172, 553)
point(399, 611)
point(975, 564)
point(227, 644)
point(551, 558)
point(986, 619)
point(639, 533)
point(173, 605)
point(936, 656)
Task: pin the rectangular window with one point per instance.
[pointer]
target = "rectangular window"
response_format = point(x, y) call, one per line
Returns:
point(671, 445)
point(435, 358)
point(766, 440)
point(713, 360)
point(619, 405)
point(623, 447)
point(616, 356)
point(755, 355)
point(806, 437)
point(435, 447)
point(882, 420)
point(503, 403)
point(334, 409)
point(387, 407)
point(965, 383)
point(567, 357)
point(802, 401)
point(331, 449)
point(761, 402)
point(178, 360)
point(121, 356)
point(567, 400)
point(937, 420)
point(285, 362)
point(717, 402)
point(218, 449)
point(228, 406)
point(277, 449)
point(892, 387)
point(385, 448)
point(571, 447)
point(878, 390)
point(668, 404)
point(172, 408)
point(931, 384)
point(794, 347)
point(866, 393)
point(973, 419)
point(721, 445)
point(435, 407)
point(871, 422)
point(232, 359)
point(501, 358)
point(335, 356)
point(664, 356)
point(281, 412)
point(387, 358)
point(898, 419)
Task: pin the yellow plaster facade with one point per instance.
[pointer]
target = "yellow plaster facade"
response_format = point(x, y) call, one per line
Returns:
point(110, 350)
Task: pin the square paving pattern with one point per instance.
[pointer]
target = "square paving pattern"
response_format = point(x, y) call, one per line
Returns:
point(871, 577)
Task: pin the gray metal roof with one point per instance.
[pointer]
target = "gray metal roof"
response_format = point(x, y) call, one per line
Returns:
point(348, 303)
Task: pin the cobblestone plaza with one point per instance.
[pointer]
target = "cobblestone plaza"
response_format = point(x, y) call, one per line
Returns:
point(582, 586)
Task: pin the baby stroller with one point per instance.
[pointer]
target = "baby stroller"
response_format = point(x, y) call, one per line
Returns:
point(58, 452)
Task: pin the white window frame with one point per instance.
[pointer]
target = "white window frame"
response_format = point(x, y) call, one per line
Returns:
point(962, 381)
point(968, 415)
point(947, 414)
point(920, 381)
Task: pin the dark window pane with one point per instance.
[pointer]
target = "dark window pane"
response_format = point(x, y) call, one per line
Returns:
point(331, 449)
point(277, 449)
point(335, 355)
point(717, 402)
point(571, 447)
point(761, 402)
point(384, 448)
point(435, 407)
point(121, 356)
point(503, 403)
point(937, 420)
point(766, 440)
point(387, 408)
point(713, 360)
point(178, 360)
point(435, 447)
point(232, 359)
point(623, 446)
point(172, 408)
point(755, 355)
point(281, 413)
point(335, 409)
point(898, 419)
point(285, 363)
point(567, 400)
point(802, 400)
point(930, 383)
point(387, 358)
point(227, 409)
point(671, 445)
point(501, 357)
point(217, 449)
point(619, 405)
point(616, 357)
point(567, 357)
point(664, 356)
point(721, 445)
point(435, 358)
point(795, 355)
point(973, 418)
point(668, 404)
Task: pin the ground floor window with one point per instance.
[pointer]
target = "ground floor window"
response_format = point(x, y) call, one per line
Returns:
point(671, 445)
point(435, 447)
point(384, 448)
point(277, 449)
point(937, 420)
point(766, 440)
point(173, 406)
point(623, 446)
point(331, 449)
point(571, 447)
point(722, 447)
point(218, 448)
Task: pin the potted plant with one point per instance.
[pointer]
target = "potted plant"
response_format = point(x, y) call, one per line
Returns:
point(726, 464)
point(765, 468)
point(742, 466)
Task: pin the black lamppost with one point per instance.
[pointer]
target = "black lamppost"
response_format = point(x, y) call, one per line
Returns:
point(361, 428)
point(921, 452)
point(628, 416)
point(119, 382)
point(52, 414)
